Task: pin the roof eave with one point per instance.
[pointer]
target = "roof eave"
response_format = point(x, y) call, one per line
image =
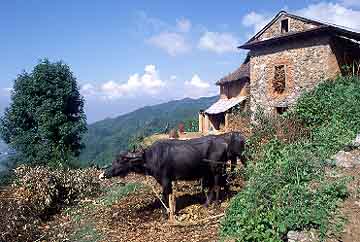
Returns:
point(253, 44)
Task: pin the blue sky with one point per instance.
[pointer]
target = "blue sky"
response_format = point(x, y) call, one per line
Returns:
point(129, 54)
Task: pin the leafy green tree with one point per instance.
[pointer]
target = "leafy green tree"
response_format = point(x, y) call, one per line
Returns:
point(46, 120)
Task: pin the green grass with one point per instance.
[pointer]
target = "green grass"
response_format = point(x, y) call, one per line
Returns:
point(286, 184)
point(115, 193)
point(87, 233)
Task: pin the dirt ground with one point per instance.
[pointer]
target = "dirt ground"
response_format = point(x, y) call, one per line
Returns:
point(139, 216)
point(128, 210)
point(350, 209)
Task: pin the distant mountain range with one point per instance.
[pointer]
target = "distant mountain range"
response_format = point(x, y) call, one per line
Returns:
point(107, 137)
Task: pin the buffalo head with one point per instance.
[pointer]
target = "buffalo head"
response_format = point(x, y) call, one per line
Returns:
point(124, 163)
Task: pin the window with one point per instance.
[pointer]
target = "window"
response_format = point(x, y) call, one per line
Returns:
point(279, 79)
point(281, 110)
point(284, 26)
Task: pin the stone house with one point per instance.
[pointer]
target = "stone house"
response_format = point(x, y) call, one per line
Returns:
point(292, 54)
point(234, 91)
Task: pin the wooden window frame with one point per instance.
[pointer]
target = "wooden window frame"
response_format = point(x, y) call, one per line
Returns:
point(274, 89)
point(288, 26)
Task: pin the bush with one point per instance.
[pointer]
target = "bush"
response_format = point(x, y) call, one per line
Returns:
point(39, 192)
point(286, 184)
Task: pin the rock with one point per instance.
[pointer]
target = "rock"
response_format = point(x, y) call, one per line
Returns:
point(347, 159)
point(356, 142)
point(302, 236)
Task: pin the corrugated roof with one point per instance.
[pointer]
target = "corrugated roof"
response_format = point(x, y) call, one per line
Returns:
point(242, 72)
point(222, 105)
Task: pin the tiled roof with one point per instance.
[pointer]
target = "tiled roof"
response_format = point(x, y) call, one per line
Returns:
point(223, 105)
point(241, 72)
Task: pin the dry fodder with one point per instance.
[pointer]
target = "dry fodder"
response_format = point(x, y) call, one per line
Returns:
point(265, 127)
point(39, 192)
point(240, 123)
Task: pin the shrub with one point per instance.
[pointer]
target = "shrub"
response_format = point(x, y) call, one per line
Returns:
point(286, 186)
point(38, 192)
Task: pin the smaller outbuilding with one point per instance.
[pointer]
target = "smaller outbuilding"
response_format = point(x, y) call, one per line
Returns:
point(234, 91)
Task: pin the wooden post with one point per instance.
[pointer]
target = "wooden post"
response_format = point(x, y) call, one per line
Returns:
point(226, 120)
point(201, 121)
point(206, 124)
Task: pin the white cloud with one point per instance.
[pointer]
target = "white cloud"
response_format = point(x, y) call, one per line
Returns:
point(351, 3)
point(147, 83)
point(255, 20)
point(336, 13)
point(332, 13)
point(218, 42)
point(173, 77)
point(197, 82)
point(172, 43)
point(183, 25)
point(196, 88)
point(87, 89)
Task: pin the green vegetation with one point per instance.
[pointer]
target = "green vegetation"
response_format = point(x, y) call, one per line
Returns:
point(116, 192)
point(106, 138)
point(46, 119)
point(87, 233)
point(286, 184)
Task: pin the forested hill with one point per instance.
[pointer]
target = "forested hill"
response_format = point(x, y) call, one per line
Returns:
point(107, 137)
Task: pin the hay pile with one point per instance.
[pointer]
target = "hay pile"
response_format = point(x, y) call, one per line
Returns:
point(37, 193)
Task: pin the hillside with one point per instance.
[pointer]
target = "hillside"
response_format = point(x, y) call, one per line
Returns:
point(107, 137)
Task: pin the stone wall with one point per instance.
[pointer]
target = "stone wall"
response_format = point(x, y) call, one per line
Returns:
point(295, 25)
point(307, 62)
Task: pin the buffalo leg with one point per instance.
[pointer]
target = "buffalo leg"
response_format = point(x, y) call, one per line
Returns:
point(217, 189)
point(168, 197)
point(171, 207)
point(210, 194)
point(172, 202)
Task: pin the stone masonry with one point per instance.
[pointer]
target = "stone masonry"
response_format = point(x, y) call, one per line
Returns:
point(295, 25)
point(307, 62)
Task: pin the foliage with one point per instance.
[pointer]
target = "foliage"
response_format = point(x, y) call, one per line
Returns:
point(38, 192)
point(192, 124)
point(46, 119)
point(108, 137)
point(115, 193)
point(287, 188)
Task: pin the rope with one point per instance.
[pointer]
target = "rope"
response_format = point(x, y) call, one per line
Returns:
point(219, 162)
point(162, 202)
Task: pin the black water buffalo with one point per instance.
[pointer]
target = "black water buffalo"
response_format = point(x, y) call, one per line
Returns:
point(170, 160)
point(235, 145)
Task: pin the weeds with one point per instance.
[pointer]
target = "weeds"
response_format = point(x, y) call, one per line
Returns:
point(117, 192)
point(286, 184)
